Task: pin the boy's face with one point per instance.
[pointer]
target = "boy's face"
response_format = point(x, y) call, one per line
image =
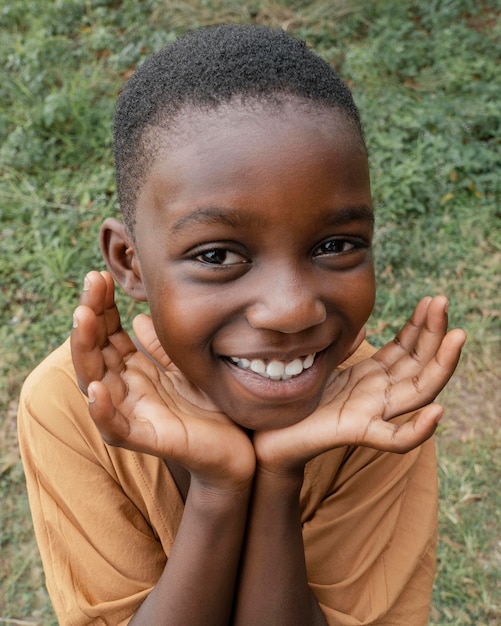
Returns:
point(254, 238)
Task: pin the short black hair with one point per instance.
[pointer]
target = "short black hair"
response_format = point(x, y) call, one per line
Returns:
point(204, 70)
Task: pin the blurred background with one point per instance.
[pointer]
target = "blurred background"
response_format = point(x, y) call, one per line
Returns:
point(425, 74)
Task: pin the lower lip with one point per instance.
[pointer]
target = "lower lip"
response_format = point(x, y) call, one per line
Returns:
point(296, 388)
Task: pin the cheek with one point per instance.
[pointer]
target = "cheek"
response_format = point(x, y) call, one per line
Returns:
point(185, 324)
point(357, 296)
point(366, 298)
point(177, 326)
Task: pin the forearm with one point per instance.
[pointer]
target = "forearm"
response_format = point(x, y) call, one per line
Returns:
point(197, 585)
point(273, 587)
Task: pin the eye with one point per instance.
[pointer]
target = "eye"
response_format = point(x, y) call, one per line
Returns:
point(335, 246)
point(220, 256)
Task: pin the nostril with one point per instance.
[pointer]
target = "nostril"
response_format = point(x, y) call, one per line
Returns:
point(286, 315)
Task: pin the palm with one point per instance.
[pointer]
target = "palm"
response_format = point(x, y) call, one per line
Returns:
point(362, 399)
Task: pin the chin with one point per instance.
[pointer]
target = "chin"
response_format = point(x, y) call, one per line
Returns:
point(271, 418)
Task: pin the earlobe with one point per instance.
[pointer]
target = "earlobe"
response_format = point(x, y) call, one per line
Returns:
point(119, 253)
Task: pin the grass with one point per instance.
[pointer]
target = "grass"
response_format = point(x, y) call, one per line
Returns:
point(424, 75)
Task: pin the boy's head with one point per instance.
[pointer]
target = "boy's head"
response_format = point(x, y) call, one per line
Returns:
point(205, 70)
point(244, 183)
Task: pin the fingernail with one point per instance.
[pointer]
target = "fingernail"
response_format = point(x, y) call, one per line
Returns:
point(75, 321)
point(86, 286)
point(91, 395)
point(446, 307)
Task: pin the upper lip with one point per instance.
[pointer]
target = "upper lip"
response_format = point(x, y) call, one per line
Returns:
point(276, 356)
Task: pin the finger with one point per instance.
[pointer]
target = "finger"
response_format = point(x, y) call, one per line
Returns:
point(428, 340)
point(99, 295)
point(418, 341)
point(147, 337)
point(415, 391)
point(401, 438)
point(110, 310)
point(86, 353)
point(407, 336)
point(123, 426)
point(114, 427)
point(92, 355)
point(97, 292)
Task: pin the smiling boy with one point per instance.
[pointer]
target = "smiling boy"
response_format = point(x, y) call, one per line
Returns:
point(242, 470)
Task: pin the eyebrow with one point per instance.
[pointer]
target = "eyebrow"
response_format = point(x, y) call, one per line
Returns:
point(232, 218)
point(355, 213)
point(213, 215)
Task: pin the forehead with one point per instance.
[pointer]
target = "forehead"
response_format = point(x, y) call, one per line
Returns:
point(244, 118)
point(213, 156)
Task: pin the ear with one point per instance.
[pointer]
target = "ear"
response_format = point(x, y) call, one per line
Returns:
point(119, 252)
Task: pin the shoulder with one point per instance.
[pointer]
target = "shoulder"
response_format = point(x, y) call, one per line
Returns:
point(52, 382)
point(52, 406)
point(56, 368)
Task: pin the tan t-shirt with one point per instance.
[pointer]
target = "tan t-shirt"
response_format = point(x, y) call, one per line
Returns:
point(105, 518)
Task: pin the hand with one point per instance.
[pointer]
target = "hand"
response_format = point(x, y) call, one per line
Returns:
point(404, 377)
point(136, 406)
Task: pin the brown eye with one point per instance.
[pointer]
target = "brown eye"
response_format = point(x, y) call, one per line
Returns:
point(334, 246)
point(219, 256)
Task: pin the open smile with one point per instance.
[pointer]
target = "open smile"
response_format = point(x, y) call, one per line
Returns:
point(277, 382)
point(275, 369)
point(260, 387)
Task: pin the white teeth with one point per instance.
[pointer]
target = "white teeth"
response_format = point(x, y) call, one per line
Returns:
point(294, 367)
point(275, 370)
point(257, 366)
point(308, 362)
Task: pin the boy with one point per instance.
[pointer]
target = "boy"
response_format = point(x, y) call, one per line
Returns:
point(242, 468)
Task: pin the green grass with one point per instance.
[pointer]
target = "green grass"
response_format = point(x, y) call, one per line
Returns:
point(424, 75)
point(469, 584)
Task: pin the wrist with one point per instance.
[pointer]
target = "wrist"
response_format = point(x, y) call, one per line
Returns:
point(276, 462)
point(220, 497)
point(287, 451)
point(284, 480)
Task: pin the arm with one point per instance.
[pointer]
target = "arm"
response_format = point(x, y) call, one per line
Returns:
point(198, 583)
point(273, 586)
point(136, 407)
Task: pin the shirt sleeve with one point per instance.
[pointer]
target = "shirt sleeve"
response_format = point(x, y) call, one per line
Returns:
point(100, 554)
point(370, 545)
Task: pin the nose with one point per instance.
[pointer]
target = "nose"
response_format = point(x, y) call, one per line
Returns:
point(287, 305)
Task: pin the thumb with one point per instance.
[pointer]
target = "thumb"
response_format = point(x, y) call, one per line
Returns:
point(150, 343)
